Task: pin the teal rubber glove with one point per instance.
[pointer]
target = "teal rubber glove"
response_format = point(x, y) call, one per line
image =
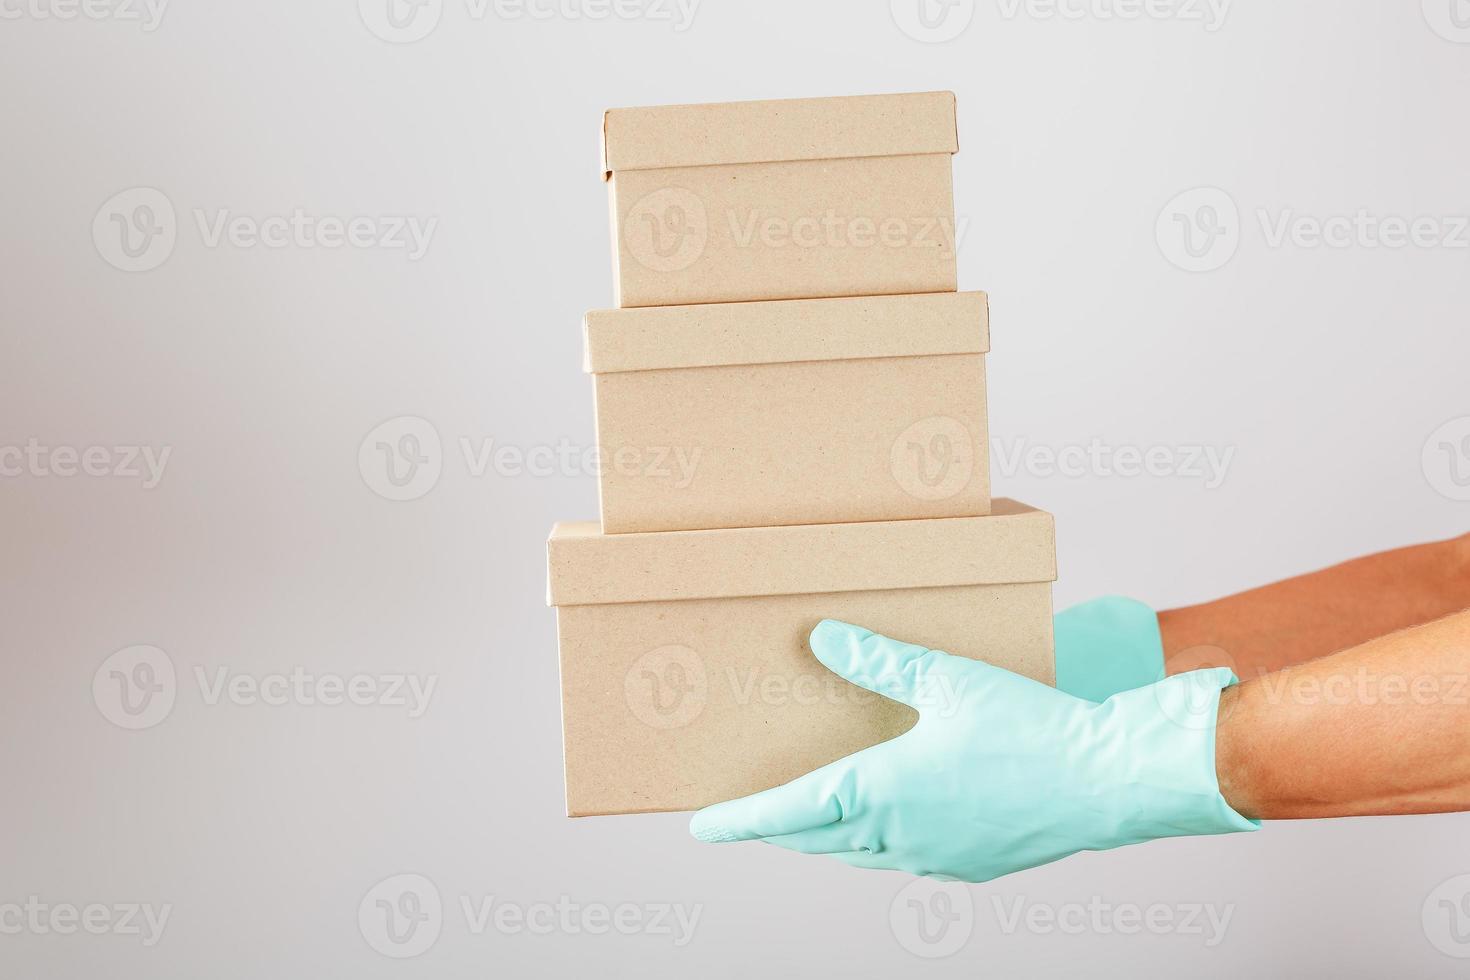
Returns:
point(1108, 646)
point(1000, 773)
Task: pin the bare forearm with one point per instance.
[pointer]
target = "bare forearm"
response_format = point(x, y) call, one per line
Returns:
point(1383, 728)
point(1301, 619)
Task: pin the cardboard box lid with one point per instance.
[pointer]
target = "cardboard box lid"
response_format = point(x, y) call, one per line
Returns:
point(660, 337)
point(764, 132)
point(1016, 544)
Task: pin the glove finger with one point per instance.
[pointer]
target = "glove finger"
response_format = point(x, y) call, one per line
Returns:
point(903, 672)
point(835, 838)
point(868, 861)
point(1107, 646)
point(814, 800)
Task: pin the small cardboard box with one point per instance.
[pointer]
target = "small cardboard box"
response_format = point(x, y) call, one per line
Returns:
point(799, 412)
point(782, 200)
point(685, 673)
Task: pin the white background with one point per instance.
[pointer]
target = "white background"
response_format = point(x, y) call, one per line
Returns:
point(264, 549)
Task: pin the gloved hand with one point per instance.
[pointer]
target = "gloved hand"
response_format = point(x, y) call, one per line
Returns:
point(1108, 646)
point(999, 774)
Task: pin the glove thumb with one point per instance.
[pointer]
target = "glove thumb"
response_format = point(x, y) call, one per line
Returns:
point(901, 671)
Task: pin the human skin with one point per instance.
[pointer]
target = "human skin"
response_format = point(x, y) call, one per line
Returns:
point(1301, 619)
point(1380, 729)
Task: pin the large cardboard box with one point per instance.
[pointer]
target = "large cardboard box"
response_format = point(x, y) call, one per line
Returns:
point(686, 677)
point(782, 200)
point(804, 412)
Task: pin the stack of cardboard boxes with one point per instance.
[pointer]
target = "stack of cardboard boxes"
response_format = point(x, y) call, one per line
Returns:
point(791, 422)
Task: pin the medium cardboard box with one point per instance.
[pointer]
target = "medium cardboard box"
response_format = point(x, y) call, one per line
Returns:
point(782, 200)
point(686, 677)
point(799, 412)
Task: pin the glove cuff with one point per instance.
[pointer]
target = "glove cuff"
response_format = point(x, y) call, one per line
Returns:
point(1107, 646)
point(1166, 732)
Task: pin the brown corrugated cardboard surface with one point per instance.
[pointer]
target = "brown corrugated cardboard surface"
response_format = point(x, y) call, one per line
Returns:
point(848, 328)
point(792, 427)
point(650, 138)
point(686, 676)
point(782, 200)
point(1015, 544)
point(763, 431)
